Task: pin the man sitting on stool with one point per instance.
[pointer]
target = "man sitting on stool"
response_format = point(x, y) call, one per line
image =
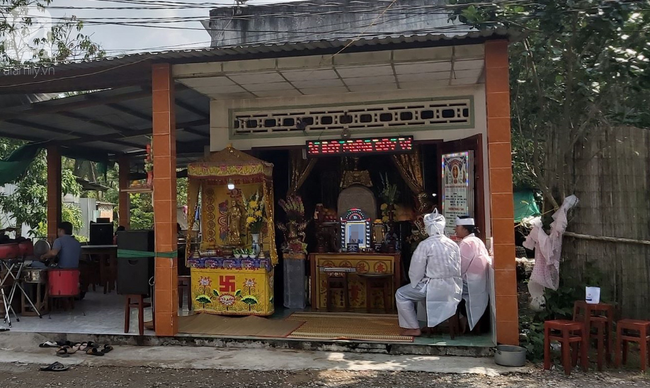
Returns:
point(435, 278)
point(475, 264)
point(66, 248)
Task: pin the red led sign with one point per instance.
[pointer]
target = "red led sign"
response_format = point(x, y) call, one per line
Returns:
point(379, 145)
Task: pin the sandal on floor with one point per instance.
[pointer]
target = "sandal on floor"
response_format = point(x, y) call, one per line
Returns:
point(86, 345)
point(94, 352)
point(55, 367)
point(66, 351)
point(107, 348)
point(49, 344)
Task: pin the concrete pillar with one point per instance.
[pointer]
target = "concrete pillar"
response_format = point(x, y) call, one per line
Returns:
point(501, 196)
point(164, 199)
point(124, 204)
point(54, 195)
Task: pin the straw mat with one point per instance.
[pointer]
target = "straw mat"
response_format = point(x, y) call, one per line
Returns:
point(348, 326)
point(250, 326)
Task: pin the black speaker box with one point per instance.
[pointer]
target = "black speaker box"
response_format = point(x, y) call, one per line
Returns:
point(133, 274)
point(101, 234)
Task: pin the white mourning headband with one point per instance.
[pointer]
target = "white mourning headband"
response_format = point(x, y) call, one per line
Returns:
point(464, 221)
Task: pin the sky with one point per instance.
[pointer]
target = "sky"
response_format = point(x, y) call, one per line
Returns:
point(120, 39)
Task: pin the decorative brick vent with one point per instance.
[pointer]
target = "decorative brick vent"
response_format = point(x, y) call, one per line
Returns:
point(426, 113)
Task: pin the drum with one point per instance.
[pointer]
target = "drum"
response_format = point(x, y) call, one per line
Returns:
point(35, 275)
point(40, 248)
point(63, 282)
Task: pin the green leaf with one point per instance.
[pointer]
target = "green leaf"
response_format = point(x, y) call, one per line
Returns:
point(249, 300)
point(238, 293)
point(203, 299)
point(216, 293)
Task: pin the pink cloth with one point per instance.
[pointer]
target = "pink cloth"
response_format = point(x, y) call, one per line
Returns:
point(472, 248)
point(548, 250)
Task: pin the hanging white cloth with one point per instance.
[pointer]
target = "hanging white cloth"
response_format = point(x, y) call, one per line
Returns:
point(548, 250)
point(475, 265)
point(436, 263)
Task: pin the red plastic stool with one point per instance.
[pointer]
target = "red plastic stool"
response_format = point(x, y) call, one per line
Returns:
point(597, 314)
point(136, 301)
point(572, 336)
point(626, 331)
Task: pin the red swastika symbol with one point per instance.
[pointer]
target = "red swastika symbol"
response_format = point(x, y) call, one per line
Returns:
point(227, 283)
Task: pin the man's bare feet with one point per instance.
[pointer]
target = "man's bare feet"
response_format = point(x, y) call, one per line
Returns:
point(411, 332)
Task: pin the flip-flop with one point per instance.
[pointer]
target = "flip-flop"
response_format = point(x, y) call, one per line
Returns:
point(66, 351)
point(49, 344)
point(94, 352)
point(85, 345)
point(55, 367)
point(107, 348)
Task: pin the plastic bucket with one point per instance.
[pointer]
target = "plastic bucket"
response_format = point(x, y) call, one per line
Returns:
point(63, 282)
point(592, 295)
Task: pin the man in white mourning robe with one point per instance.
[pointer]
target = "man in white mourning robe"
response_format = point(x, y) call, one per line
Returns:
point(475, 264)
point(435, 278)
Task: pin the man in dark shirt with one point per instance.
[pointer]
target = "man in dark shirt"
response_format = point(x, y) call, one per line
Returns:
point(66, 247)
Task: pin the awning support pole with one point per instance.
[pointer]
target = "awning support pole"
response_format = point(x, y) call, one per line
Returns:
point(164, 199)
point(54, 195)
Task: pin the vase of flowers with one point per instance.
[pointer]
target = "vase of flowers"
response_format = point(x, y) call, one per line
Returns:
point(254, 218)
point(389, 192)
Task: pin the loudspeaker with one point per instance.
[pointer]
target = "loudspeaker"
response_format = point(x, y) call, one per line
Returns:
point(133, 274)
point(101, 234)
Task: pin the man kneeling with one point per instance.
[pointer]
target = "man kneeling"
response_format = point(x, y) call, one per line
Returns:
point(435, 275)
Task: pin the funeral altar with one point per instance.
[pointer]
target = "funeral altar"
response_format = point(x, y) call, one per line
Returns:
point(232, 262)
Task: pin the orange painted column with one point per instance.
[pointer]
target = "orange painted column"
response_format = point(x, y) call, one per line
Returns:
point(501, 196)
point(124, 204)
point(164, 199)
point(54, 195)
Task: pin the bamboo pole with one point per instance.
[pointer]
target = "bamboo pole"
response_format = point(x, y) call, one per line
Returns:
point(605, 238)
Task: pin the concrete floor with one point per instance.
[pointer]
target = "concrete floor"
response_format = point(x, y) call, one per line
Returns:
point(95, 314)
point(100, 313)
point(23, 348)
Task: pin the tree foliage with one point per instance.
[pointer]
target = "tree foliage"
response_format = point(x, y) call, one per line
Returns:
point(29, 36)
point(27, 204)
point(579, 66)
point(27, 39)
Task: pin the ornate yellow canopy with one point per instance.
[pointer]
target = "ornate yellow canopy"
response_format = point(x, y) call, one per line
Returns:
point(210, 176)
point(229, 163)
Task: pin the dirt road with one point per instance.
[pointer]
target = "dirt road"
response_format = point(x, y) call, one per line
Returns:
point(13, 375)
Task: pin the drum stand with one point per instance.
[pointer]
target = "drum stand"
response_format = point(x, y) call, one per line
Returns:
point(8, 300)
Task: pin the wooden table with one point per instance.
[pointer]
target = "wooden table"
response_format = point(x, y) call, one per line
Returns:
point(102, 260)
point(364, 263)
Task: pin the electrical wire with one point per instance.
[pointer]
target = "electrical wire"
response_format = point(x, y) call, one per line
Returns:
point(148, 57)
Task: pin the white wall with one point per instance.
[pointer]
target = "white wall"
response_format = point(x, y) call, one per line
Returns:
point(220, 134)
point(220, 125)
